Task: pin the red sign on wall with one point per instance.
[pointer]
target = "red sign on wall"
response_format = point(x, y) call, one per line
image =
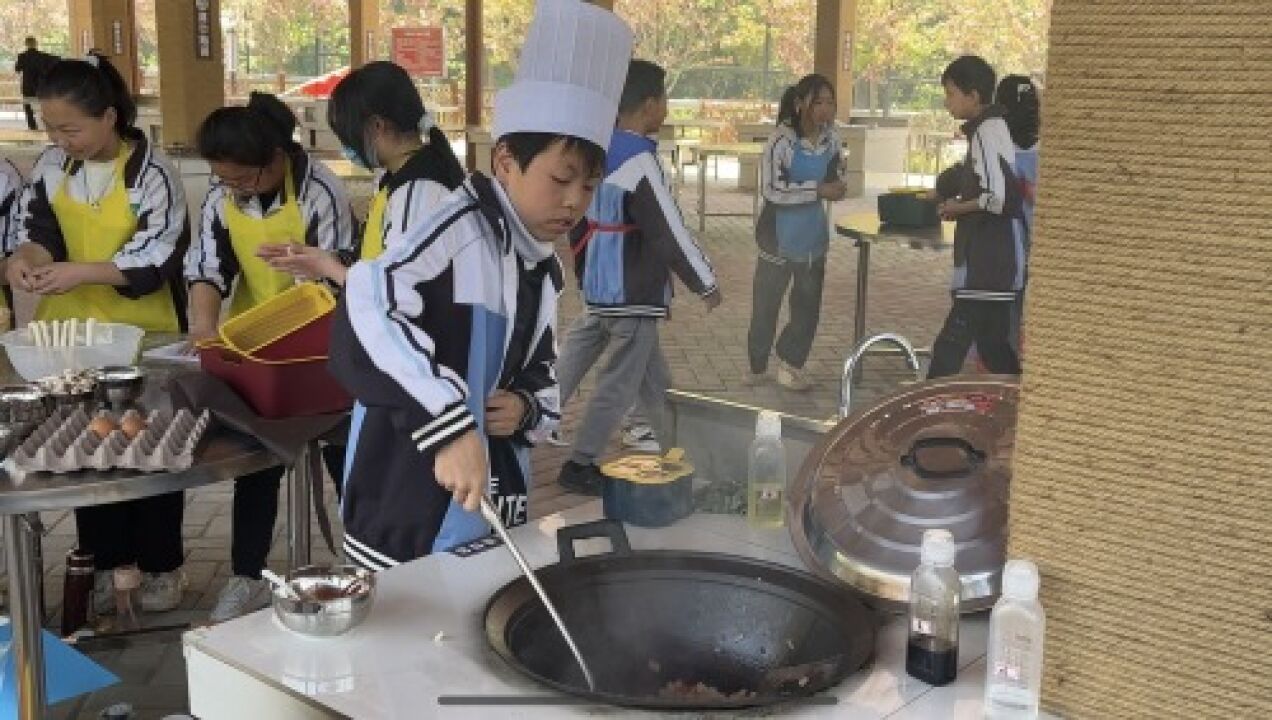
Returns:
point(421, 51)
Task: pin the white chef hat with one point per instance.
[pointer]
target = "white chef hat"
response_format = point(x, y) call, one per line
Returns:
point(570, 75)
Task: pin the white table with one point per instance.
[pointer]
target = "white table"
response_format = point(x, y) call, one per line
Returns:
point(391, 667)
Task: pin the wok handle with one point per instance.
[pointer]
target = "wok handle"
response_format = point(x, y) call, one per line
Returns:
point(975, 458)
point(612, 529)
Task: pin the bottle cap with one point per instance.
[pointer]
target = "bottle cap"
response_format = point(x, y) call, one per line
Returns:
point(1020, 580)
point(768, 424)
point(938, 548)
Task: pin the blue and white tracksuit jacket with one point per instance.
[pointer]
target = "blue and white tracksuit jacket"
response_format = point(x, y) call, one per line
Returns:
point(462, 305)
point(633, 238)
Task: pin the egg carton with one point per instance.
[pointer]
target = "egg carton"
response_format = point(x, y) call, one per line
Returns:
point(64, 443)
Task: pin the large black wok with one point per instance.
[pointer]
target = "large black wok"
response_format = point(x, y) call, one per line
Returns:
point(753, 632)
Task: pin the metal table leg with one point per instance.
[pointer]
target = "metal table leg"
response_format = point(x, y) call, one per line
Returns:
point(25, 621)
point(863, 285)
point(299, 486)
point(702, 194)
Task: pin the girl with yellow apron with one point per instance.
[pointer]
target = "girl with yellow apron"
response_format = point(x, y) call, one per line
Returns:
point(271, 193)
point(378, 115)
point(102, 229)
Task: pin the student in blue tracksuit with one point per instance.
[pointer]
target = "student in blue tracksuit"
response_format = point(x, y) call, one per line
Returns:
point(625, 253)
point(800, 171)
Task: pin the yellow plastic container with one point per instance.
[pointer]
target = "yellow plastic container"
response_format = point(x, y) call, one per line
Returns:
point(277, 318)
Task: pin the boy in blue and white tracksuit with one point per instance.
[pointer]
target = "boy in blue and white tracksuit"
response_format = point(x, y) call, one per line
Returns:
point(447, 340)
point(625, 252)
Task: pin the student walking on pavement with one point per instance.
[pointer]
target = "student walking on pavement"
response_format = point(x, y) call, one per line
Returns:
point(800, 171)
point(989, 255)
point(625, 252)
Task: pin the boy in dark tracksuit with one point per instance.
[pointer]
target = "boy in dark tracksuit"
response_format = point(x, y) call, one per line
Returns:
point(625, 251)
point(447, 340)
point(988, 254)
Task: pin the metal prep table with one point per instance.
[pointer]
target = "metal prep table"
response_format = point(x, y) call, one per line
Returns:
point(864, 229)
point(222, 455)
point(392, 666)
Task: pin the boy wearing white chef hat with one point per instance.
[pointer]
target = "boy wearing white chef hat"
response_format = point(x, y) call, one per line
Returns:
point(448, 340)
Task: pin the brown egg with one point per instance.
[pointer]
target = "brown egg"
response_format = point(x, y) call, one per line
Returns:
point(102, 426)
point(133, 425)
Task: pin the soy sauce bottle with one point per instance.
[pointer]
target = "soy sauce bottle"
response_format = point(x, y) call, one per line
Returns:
point(932, 652)
point(77, 591)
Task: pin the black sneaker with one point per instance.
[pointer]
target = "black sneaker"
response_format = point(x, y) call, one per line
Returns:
point(581, 479)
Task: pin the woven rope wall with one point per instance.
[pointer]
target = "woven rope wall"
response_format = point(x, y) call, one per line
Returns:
point(1143, 480)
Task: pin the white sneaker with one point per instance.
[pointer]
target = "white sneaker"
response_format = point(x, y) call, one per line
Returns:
point(641, 438)
point(793, 378)
point(240, 596)
point(161, 592)
point(755, 379)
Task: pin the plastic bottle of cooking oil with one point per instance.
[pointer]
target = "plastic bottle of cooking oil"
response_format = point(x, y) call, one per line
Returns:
point(766, 477)
point(1013, 680)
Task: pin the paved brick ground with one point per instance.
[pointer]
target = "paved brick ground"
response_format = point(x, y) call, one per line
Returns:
point(706, 353)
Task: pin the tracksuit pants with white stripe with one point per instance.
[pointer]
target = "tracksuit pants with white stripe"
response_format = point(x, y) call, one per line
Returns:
point(635, 371)
point(987, 323)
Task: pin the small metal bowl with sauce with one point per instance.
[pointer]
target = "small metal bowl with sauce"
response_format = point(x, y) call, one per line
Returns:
point(119, 386)
point(24, 403)
point(333, 600)
point(22, 409)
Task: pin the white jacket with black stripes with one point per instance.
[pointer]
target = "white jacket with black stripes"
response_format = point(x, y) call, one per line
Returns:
point(154, 253)
point(462, 306)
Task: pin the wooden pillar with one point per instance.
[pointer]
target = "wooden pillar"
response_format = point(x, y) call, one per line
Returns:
point(364, 24)
point(109, 26)
point(191, 70)
point(835, 37)
point(473, 66)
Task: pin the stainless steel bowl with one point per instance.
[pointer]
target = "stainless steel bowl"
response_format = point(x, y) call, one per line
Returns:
point(120, 385)
point(334, 600)
point(23, 404)
point(86, 400)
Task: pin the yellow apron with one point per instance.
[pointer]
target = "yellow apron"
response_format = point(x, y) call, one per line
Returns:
point(258, 281)
point(373, 235)
point(94, 233)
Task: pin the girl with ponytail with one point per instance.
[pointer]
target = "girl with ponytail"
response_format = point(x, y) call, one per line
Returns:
point(101, 230)
point(380, 119)
point(799, 173)
point(270, 197)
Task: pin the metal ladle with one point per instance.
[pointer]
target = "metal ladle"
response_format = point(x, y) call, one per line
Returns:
point(492, 517)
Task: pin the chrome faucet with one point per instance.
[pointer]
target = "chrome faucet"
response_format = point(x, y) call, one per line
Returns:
point(850, 366)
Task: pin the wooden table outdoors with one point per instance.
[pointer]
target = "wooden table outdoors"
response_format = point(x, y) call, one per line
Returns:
point(864, 229)
point(348, 171)
point(13, 136)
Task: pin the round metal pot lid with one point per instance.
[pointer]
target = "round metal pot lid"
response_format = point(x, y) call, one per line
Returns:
point(936, 455)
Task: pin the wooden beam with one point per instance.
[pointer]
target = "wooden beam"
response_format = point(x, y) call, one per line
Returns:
point(473, 69)
point(364, 25)
point(109, 26)
point(833, 44)
point(191, 75)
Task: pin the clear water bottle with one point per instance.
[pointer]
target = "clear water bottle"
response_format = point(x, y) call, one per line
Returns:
point(931, 655)
point(766, 475)
point(1013, 682)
